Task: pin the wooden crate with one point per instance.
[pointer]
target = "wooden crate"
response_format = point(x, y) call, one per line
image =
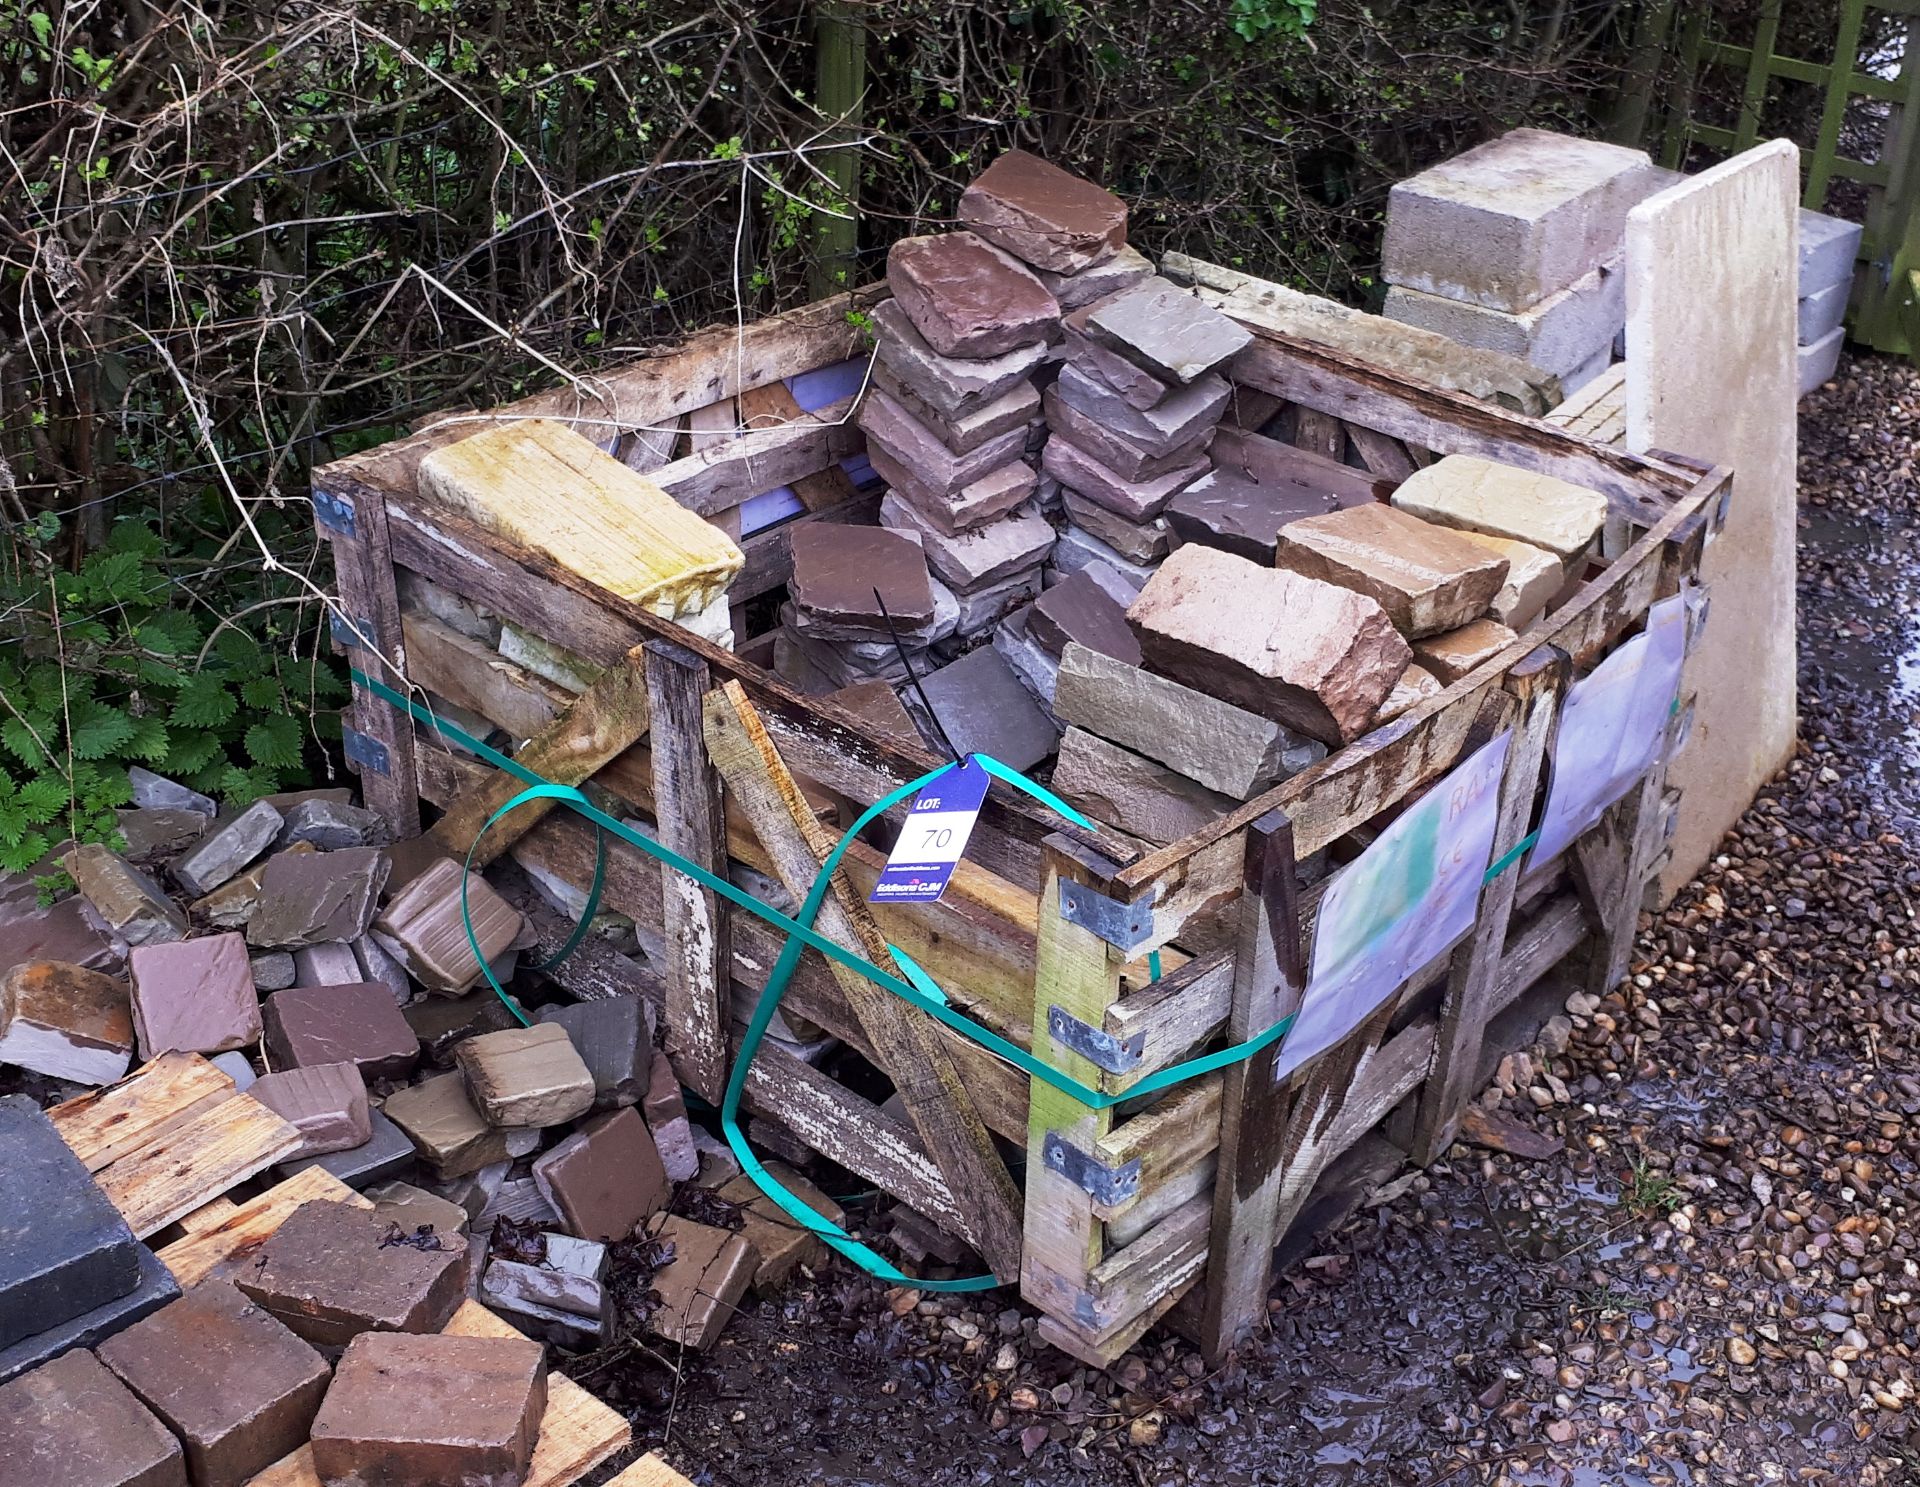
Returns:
point(1123, 1213)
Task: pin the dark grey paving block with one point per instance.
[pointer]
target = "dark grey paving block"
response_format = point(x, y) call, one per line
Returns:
point(389, 1153)
point(154, 1288)
point(615, 1038)
point(64, 1249)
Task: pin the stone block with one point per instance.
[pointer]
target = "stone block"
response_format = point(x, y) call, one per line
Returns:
point(235, 1066)
point(1829, 247)
point(526, 1076)
point(332, 1271)
point(1581, 375)
point(1238, 513)
point(331, 963)
point(1560, 334)
point(920, 447)
point(1175, 422)
point(605, 1178)
point(781, 1245)
point(1514, 220)
point(377, 965)
point(1140, 541)
point(1169, 331)
point(1074, 291)
point(538, 1285)
point(1030, 661)
point(237, 1388)
point(67, 931)
point(1044, 216)
point(1478, 495)
point(326, 1103)
point(1136, 500)
point(273, 970)
point(358, 1024)
point(954, 387)
point(71, 1423)
point(1227, 749)
point(441, 1023)
point(501, 1291)
point(576, 1256)
point(407, 1410)
point(1534, 576)
point(446, 1129)
point(1415, 686)
point(227, 849)
point(981, 607)
point(154, 1289)
point(422, 928)
point(157, 833)
point(1111, 372)
point(836, 570)
point(1079, 608)
point(1816, 364)
point(233, 903)
point(703, 1283)
point(980, 555)
point(65, 1021)
point(312, 898)
point(413, 1209)
point(64, 1248)
point(984, 709)
point(1078, 550)
point(615, 1038)
point(1132, 792)
point(1122, 456)
point(126, 899)
point(993, 495)
point(1452, 655)
point(154, 792)
point(878, 708)
point(387, 1152)
point(1314, 657)
point(331, 825)
point(1428, 578)
point(966, 432)
point(967, 298)
point(194, 995)
point(1823, 312)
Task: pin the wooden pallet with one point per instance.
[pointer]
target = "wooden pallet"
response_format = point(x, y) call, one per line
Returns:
point(1224, 1163)
point(171, 1137)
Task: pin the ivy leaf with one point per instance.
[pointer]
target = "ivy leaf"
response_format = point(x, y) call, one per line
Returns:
point(98, 732)
point(204, 702)
point(274, 742)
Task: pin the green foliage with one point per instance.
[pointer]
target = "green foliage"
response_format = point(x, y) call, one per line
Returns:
point(131, 659)
point(1255, 20)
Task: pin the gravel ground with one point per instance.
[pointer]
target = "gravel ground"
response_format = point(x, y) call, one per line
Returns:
point(1714, 1283)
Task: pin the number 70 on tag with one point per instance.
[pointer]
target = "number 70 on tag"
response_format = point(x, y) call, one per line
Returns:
point(933, 838)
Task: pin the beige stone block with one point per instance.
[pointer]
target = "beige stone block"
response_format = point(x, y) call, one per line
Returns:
point(1480, 495)
point(1452, 655)
point(1427, 578)
point(1534, 576)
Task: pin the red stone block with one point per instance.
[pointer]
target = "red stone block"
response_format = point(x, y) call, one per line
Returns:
point(605, 1178)
point(71, 1422)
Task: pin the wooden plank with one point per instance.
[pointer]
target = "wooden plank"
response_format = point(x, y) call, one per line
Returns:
point(774, 405)
point(650, 1470)
point(209, 1215)
point(140, 1108)
point(604, 720)
point(686, 800)
point(1167, 1139)
point(478, 678)
point(1171, 1017)
point(1383, 456)
point(179, 1170)
point(1322, 434)
point(1535, 686)
point(217, 1249)
point(723, 475)
point(370, 603)
point(577, 1432)
point(1759, 60)
point(1269, 978)
point(912, 1055)
point(1167, 1256)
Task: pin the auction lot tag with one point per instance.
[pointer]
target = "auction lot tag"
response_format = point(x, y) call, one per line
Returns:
point(935, 834)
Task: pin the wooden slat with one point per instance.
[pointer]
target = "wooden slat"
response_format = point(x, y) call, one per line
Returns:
point(1159, 1262)
point(650, 1470)
point(140, 1108)
point(209, 1215)
point(723, 475)
point(1173, 1015)
point(218, 1249)
point(478, 678)
point(1322, 434)
point(196, 1161)
point(774, 405)
point(1383, 456)
point(1167, 1139)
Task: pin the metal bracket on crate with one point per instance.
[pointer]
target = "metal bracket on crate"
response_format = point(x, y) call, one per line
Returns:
point(1124, 926)
point(1096, 1045)
point(1106, 1185)
point(366, 751)
point(347, 632)
point(335, 513)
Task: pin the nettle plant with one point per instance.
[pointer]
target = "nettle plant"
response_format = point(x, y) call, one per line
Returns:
point(145, 656)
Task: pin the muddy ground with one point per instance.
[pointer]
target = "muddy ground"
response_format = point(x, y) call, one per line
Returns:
point(1714, 1283)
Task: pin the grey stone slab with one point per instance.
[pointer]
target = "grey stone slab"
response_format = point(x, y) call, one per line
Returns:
point(1078, 550)
point(64, 1248)
point(965, 432)
point(1227, 509)
point(154, 1286)
point(953, 386)
point(1122, 456)
point(330, 963)
point(1170, 331)
point(980, 555)
point(1133, 384)
point(986, 605)
point(156, 792)
point(388, 1152)
point(1141, 797)
point(273, 970)
point(235, 1065)
point(1174, 422)
point(330, 825)
point(921, 448)
point(315, 898)
point(992, 496)
point(1142, 542)
point(986, 709)
point(1136, 500)
point(1081, 607)
point(1109, 276)
point(967, 298)
point(615, 1038)
point(157, 832)
point(1225, 748)
point(1829, 247)
point(228, 849)
point(1560, 334)
point(1514, 220)
point(1037, 668)
point(1043, 215)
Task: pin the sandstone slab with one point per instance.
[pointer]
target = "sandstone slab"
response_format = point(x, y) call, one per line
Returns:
point(922, 448)
point(615, 1039)
point(878, 708)
point(666, 1115)
point(1133, 385)
point(449, 1133)
point(605, 1178)
point(1123, 270)
point(1174, 422)
point(446, 1409)
point(330, 825)
point(1121, 455)
point(836, 570)
point(1426, 577)
point(984, 709)
point(1136, 500)
point(706, 1279)
point(1452, 655)
point(1043, 215)
point(1079, 608)
point(1415, 686)
point(386, 1153)
point(954, 387)
point(326, 1103)
point(1170, 331)
point(780, 1245)
point(237, 1388)
point(68, 930)
point(307, 1026)
point(1478, 495)
point(1229, 509)
point(1534, 576)
point(126, 899)
point(967, 298)
point(1314, 657)
point(66, 1022)
point(311, 898)
point(980, 555)
point(992, 496)
point(1142, 542)
point(121, 1444)
point(194, 995)
point(1132, 792)
point(965, 432)
point(1078, 551)
point(331, 1272)
point(227, 849)
point(526, 1076)
point(422, 927)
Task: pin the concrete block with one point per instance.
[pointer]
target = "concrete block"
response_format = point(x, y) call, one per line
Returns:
point(1817, 363)
point(1824, 311)
point(1514, 220)
point(1828, 248)
point(1560, 334)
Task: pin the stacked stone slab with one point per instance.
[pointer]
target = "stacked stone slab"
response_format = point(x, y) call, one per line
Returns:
point(862, 606)
point(1828, 248)
point(1515, 247)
